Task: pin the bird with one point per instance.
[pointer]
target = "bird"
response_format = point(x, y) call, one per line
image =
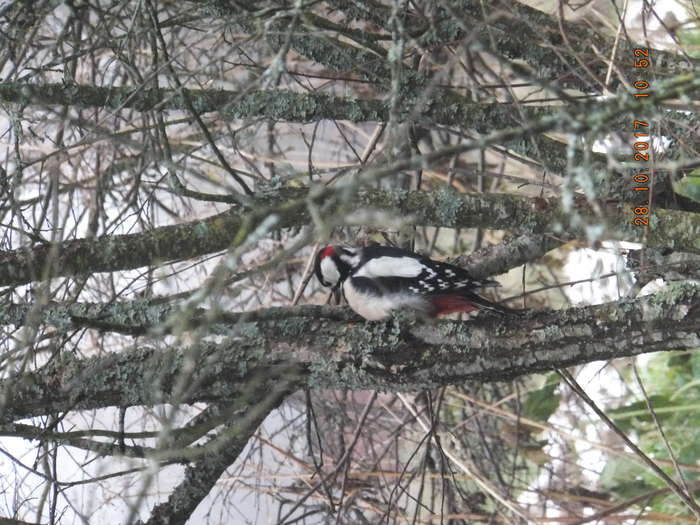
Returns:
point(377, 280)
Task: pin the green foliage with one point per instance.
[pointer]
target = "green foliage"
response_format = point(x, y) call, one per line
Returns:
point(672, 382)
point(689, 186)
point(625, 477)
point(633, 415)
point(690, 37)
point(540, 404)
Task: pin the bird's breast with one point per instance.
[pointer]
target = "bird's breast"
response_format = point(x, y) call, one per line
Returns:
point(375, 307)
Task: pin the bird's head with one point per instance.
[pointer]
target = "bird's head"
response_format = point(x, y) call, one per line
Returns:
point(334, 264)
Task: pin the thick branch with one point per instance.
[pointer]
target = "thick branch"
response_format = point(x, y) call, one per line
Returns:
point(274, 104)
point(120, 252)
point(669, 228)
point(398, 354)
point(448, 109)
point(141, 316)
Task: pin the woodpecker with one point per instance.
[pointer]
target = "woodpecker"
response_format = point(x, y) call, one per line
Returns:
point(376, 280)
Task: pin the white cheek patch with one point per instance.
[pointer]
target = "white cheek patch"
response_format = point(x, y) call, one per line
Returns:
point(391, 267)
point(329, 271)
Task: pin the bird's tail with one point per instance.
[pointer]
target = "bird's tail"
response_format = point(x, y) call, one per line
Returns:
point(485, 304)
point(467, 302)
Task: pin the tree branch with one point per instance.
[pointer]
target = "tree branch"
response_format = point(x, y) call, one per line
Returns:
point(264, 394)
point(141, 316)
point(440, 208)
point(401, 353)
point(161, 314)
point(447, 109)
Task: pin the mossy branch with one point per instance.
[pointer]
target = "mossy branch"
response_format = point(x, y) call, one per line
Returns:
point(449, 109)
point(155, 317)
point(402, 353)
point(526, 125)
point(668, 228)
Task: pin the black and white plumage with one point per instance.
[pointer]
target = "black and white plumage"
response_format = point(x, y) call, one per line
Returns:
point(379, 279)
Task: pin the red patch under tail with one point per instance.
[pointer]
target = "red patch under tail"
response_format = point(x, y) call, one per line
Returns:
point(450, 304)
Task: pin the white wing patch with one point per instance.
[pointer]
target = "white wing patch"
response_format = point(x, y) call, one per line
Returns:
point(391, 267)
